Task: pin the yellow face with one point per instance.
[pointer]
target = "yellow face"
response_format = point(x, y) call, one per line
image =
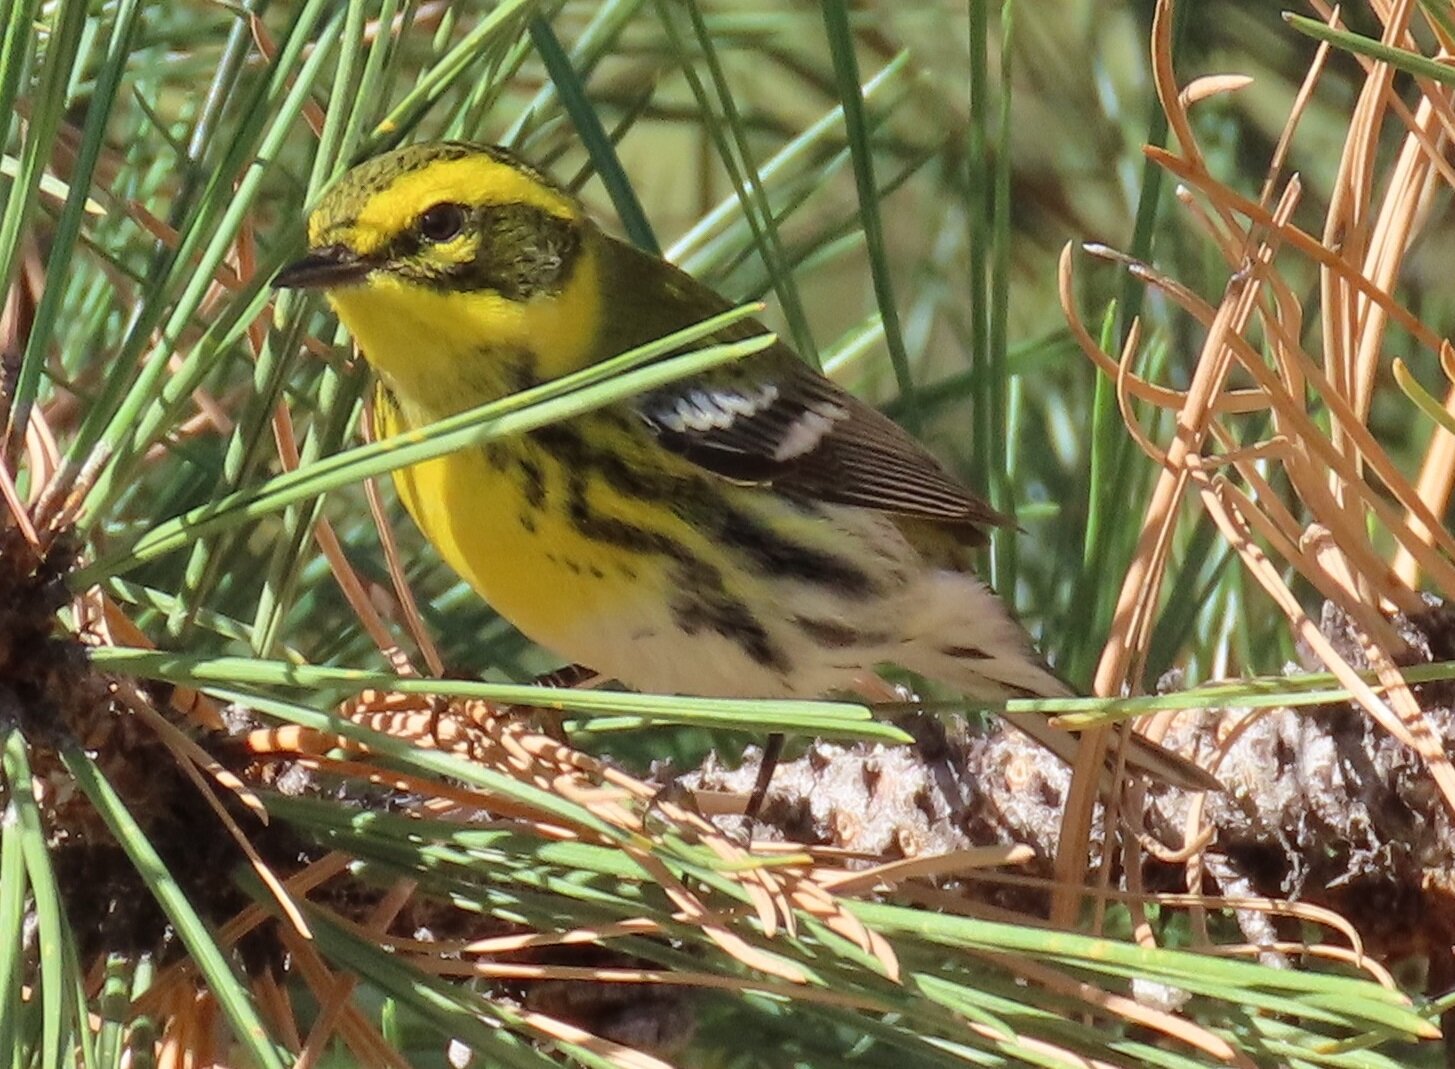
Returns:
point(462, 273)
point(391, 196)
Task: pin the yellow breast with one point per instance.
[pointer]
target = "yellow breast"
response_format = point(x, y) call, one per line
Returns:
point(488, 511)
point(445, 352)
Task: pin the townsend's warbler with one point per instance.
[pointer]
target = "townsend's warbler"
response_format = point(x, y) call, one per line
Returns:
point(754, 531)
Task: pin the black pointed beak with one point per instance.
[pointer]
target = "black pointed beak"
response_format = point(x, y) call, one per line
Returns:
point(322, 269)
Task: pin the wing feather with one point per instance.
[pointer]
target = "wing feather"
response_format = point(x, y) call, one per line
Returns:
point(805, 435)
point(772, 420)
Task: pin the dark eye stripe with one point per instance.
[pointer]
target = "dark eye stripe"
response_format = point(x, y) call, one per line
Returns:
point(522, 251)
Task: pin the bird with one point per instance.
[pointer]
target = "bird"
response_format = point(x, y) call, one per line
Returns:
point(751, 531)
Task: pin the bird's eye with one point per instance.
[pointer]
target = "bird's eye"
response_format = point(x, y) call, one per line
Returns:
point(442, 222)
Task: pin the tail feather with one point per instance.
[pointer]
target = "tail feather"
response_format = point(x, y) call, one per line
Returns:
point(1144, 757)
point(968, 640)
point(961, 634)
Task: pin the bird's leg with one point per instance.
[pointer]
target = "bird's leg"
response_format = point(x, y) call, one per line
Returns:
point(772, 751)
point(571, 675)
point(868, 686)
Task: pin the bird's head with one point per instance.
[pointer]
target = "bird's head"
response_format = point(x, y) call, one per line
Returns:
point(450, 251)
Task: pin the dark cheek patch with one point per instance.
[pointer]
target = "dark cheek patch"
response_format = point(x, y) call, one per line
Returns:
point(517, 250)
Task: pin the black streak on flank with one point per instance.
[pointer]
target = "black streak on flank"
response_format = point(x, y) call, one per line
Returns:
point(562, 442)
point(789, 560)
point(695, 500)
point(498, 455)
point(731, 619)
point(521, 372)
point(703, 601)
point(832, 635)
point(566, 445)
point(965, 653)
point(533, 482)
